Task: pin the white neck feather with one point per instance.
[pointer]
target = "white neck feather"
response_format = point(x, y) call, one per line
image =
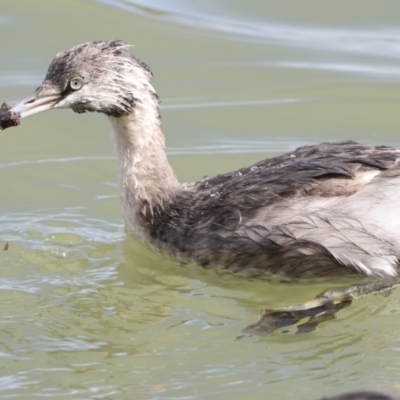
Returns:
point(145, 177)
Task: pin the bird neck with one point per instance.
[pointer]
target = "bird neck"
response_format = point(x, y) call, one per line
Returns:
point(146, 179)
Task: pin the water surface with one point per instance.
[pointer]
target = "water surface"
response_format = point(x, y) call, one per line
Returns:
point(88, 313)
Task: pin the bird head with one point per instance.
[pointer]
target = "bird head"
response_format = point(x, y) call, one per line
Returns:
point(99, 76)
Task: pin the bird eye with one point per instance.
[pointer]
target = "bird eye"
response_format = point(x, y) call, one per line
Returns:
point(75, 84)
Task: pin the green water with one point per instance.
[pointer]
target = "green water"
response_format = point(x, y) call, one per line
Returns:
point(86, 312)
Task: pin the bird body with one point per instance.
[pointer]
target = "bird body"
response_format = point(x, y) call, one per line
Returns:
point(323, 210)
point(320, 211)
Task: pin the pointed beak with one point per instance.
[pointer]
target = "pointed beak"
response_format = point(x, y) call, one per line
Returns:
point(35, 103)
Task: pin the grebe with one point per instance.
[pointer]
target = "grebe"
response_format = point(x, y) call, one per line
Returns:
point(322, 210)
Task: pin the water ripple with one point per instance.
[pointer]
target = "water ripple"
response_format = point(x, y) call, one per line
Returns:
point(382, 42)
point(182, 104)
point(368, 70)
point(50, 250)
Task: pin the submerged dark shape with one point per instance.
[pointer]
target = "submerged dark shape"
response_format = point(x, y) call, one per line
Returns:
point(327, 210)
point(364, 395)
point(323, 307)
